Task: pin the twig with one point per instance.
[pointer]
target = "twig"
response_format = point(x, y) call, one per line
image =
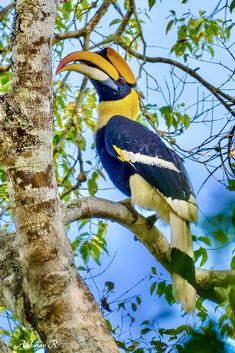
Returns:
point(4, 11)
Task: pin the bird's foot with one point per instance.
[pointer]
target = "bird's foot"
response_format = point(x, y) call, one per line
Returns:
point(150, 220)
point(128, 204)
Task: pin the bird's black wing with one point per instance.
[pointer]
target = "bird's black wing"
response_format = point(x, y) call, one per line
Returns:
point(133, 143)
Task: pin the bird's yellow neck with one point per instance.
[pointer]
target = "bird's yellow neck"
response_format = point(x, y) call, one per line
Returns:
point(127, 107)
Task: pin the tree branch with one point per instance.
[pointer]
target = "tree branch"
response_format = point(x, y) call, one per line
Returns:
point(193, 73)
point(209, 283)
point(3, 347)
point(91, 24)
point(4, 68)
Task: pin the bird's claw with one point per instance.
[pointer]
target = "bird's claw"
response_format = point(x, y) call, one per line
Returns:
point(127, 203)
point(150, 220)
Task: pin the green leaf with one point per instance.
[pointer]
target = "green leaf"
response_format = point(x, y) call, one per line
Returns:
point(85, 251)
point(186, 120)
point(211, 50)
point(92, 184)
point(182, 33)
point(169, 26)
point(120, 344)
point(231, 185)
point(134, 306)
point(109, 325)
point(159, 345)
point(204, 256)
point(115, 21)
point(151, 3)
point(232, 6)
point(205, 240)
point(153, 287)
point(167, 114)
point(201, 252)
point(221, 236)
point(138, 299)
point(154, 271)
point(145, 330)
point(109, 285)
point(232, 263)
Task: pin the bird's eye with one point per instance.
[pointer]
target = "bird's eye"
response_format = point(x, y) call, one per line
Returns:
point(121, 80)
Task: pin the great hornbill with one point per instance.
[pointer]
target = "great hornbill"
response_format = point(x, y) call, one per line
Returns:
point(138, 162)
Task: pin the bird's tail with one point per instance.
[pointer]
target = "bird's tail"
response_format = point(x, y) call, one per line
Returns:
point(182, 260)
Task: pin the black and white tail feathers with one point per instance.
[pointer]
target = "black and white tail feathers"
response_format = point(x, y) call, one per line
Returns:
point(182, 265)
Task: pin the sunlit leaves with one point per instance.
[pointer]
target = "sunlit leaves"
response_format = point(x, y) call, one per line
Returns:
point(70, 9)
point(115, 21)
point(161, 287)
point(174, 118)
point(196, 35)
point(92, 184)
point(72, 119)
point(24, 340)
point(91, 245)
point(5, 82)
point(169, 26)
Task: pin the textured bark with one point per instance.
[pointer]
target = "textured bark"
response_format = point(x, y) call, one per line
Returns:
point(55, 302)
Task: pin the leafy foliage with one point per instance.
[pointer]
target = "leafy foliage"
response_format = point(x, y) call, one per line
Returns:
point(198, 35)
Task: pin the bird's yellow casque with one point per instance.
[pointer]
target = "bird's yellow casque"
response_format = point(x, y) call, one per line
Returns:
point(138, 162)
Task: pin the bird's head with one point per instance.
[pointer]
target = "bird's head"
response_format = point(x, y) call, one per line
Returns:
point(107, 70)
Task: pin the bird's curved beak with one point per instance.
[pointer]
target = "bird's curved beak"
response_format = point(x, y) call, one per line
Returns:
point(91, 65)
point(100, 66)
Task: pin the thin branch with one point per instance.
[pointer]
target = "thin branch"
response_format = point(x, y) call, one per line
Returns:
point(183, 67)
point(3, 347)
point(88, 27)
point(124, 23)
point(4, 11)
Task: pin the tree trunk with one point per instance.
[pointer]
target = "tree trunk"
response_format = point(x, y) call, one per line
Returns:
point(57, 303)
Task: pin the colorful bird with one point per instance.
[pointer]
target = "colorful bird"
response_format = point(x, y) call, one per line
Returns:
point(138, 162)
